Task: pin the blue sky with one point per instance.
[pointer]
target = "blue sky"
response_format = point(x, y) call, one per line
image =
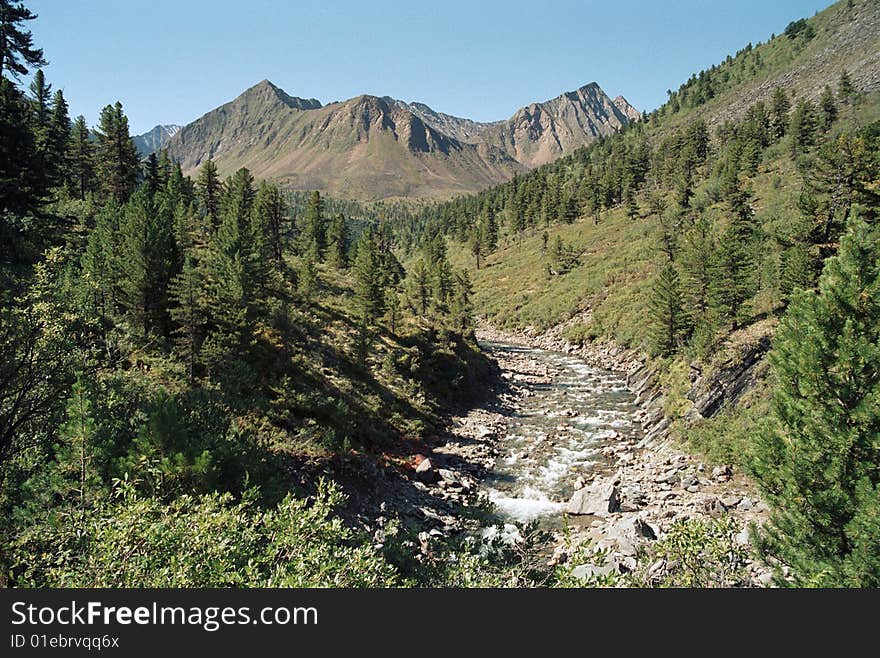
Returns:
point(172, 61)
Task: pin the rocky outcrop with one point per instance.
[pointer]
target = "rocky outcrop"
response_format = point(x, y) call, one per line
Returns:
point(727, 382)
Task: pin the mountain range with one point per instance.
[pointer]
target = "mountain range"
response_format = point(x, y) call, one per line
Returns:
point(372, 147)
point(155, 139)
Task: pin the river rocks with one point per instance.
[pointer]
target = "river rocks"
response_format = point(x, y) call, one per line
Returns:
point(598, 499)
point(589, 572)
point(425, 471)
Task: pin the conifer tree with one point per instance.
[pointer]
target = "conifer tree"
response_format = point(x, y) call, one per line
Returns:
point(803, 126)
point(817, 459)
point(81, 158)
point(20, 189)
point(188, 312)
point(313, 232)
point(491, 233)
point(476, 245)
point(209, 191)
point(151, 174)
point(145, 261)
point(367, 270)
point(667, 312)
point(779, 108)
point(828, 108)
point(270, 217)
point(116, 159)
point(845, 89)
point(17, 51)
point(339, 241)
point(461, 307)
point(58, 140)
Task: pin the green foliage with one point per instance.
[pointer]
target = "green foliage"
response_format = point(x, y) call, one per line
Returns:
point(667, 312)
point(695, 553)
point(205, 541)
point(817, 458)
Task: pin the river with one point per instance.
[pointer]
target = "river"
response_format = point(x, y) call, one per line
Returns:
point(566, 413)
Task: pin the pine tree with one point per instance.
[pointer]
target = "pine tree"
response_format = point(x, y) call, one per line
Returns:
point(367, 270)
point(228, 290)
point(339, 241)
point(145, 261)
point(59, 138)
point(151, 174)
point(845, 89)
point(461, 307)
point(803, 126)
point(779, 108)
point(17, 50)
point(668, 319)
point(116, 159)
point(828, 108)
point(491, 233)
point(421, 286)
point(270, 217)
point(476, 245)
point(188, 313)
point(817, 460)
point(313, 232)
point(733, 267)
point(210, 191)
point(20, 191)
point(81, 157)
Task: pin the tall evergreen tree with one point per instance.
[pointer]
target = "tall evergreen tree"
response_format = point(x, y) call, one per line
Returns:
point(116, 158)
point(313, 232)
point(339, 241)
point(667, 311)
point(828, 108)
point(270, 216)
point(779, 108)
point(81, 157)
point(17, 51)
point(817, 460)
point(210, 191)
point(59, 140)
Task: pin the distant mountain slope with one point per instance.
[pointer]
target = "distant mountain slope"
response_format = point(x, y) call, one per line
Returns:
point(375, 148)
point(541, 132)
point(155, 139)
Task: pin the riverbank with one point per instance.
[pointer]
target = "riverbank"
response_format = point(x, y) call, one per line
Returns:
point(646, 483)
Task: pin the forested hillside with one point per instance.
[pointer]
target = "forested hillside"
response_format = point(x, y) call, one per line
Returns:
point(689, 234)
point(181, 359)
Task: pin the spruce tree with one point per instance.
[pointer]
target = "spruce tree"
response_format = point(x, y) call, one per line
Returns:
point(817, 459)
point(668, 319)
point(803, 126)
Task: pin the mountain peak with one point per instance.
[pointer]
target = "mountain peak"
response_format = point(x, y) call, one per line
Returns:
point(266, 89)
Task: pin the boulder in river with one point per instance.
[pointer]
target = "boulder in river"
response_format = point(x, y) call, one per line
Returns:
point(599, 499)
